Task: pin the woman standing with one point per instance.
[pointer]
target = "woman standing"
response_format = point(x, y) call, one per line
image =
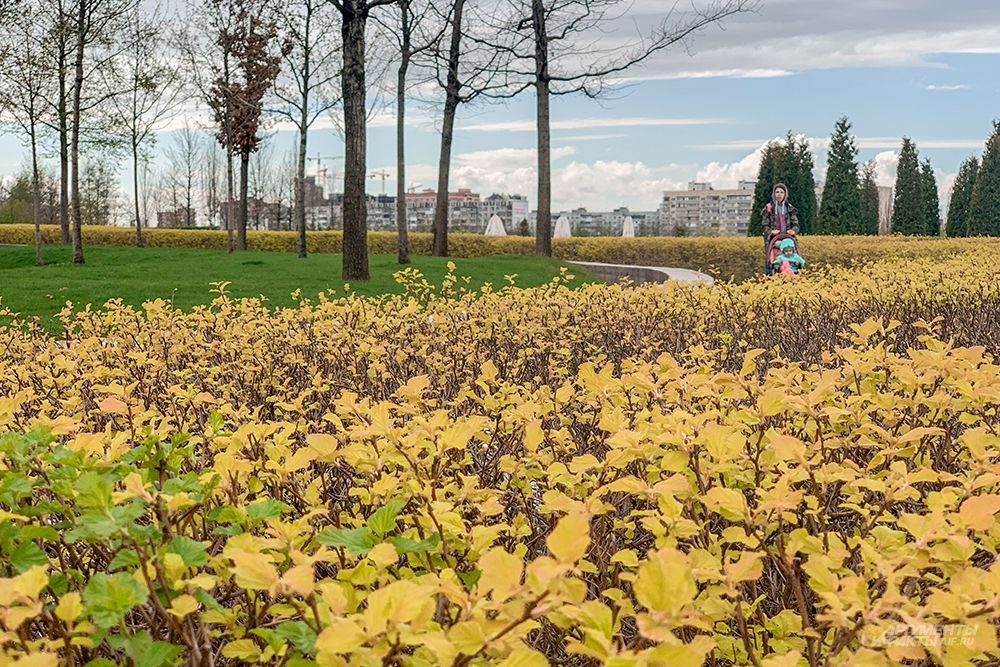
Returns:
point(778, 217)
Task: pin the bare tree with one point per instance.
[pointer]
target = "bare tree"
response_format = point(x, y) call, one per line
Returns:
point(209, 179)
point(354, 16)
point(467, 70)
point(56, 21)
point(555, 48)
point(182, 157)
point(153, 90)
point(95, 28)
point(415, 34)
point(308, 86)
point(22, 92)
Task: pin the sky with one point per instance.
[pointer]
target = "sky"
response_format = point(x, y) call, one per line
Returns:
point(919, 68)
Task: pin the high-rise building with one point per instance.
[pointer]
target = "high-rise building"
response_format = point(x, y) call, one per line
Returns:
point(703, 210)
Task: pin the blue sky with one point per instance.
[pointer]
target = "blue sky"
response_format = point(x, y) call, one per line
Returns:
point(894, 67)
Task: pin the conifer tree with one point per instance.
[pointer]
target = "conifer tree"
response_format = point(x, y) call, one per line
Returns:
point(908, 204)
point(961, 198)
point(929, 199)
point(840, 210)
point(868, 201)
point(984, 213)
point(789, 162)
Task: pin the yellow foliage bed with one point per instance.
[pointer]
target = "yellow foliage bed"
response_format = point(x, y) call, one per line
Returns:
point(773, 473)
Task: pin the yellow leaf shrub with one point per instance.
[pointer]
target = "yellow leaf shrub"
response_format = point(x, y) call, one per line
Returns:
point(770, 473)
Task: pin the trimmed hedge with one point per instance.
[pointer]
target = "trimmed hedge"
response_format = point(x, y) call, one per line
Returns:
point(737, 258)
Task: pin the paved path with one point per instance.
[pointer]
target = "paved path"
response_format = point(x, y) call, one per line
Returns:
point(645, 274)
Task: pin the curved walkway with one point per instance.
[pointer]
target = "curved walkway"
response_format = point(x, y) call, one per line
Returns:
point(644, 274)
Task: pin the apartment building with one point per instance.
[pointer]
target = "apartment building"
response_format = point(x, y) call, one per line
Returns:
point(703, 210)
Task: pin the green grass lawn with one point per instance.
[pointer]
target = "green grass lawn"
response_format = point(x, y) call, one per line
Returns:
point(140, 274)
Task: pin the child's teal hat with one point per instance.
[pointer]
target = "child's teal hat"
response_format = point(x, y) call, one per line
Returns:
point(787, 243)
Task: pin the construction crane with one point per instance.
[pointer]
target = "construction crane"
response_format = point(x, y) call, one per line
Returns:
point(413, 187)
point(380, 174)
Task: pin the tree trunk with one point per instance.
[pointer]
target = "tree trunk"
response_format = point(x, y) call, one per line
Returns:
point(300, 187)
point(543, 225)
point(447, 134)
point(228, 208)
point(355, 243)
point(36, 195)
point(135, 193)
point(403, 242)
point(444, 176)
point(63, 143)
point(77, 234)
point(241, 239)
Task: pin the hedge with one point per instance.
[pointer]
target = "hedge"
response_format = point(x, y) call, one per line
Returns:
point(737, 258)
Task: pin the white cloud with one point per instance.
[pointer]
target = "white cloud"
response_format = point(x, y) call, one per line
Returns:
point(588, 123)
point(763, 73)
point(945, 88)
point(599, 185)
point(590, 137)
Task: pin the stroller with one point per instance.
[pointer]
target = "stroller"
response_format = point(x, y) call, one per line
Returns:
point(773, 250)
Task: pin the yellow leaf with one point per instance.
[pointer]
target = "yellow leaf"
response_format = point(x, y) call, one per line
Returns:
point(787, 447)
point(343, 635)
point(299, 580)
point(383, 555)
point(29, 584)
point(525, 657)
point(36, 660)
point(183, 605)
point(253, 571)
point(684, 655)
point(728, 502)
point(722, 442)
point(241, 649)
point(569, 540)
point(978, 512)
point(501, 574)
point(665, 581)
point(113, 405)
point(323, 445)
point(70, 607)
point(748, 567)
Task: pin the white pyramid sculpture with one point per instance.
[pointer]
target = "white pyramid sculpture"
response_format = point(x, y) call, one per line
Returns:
point(562, 230)
point(628, 227)
point(495, 227)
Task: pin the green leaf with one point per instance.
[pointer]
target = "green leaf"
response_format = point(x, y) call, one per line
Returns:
point(101, 662)
point(124, 559)
point(26, 556)
point(384, 518)
point(39, 533)
point(108, 598)
point(356, 540)
point(93, 490)
point(191, 551)
point(262, 510)
point(405, 545)
point(298, 634)
point(145, 652)
point(470, 578)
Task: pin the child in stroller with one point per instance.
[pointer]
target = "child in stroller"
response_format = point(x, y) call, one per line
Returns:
point(784, 256)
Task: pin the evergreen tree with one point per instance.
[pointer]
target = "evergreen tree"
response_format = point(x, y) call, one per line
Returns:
point(840, 211)
point(868, 201)
point(803, 187)
point(930, 203)
point(961, 198)
point(907, 204)
point(789, 162)
point(984, 213)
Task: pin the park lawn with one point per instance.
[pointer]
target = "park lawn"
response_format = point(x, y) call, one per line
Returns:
point(136, 275)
